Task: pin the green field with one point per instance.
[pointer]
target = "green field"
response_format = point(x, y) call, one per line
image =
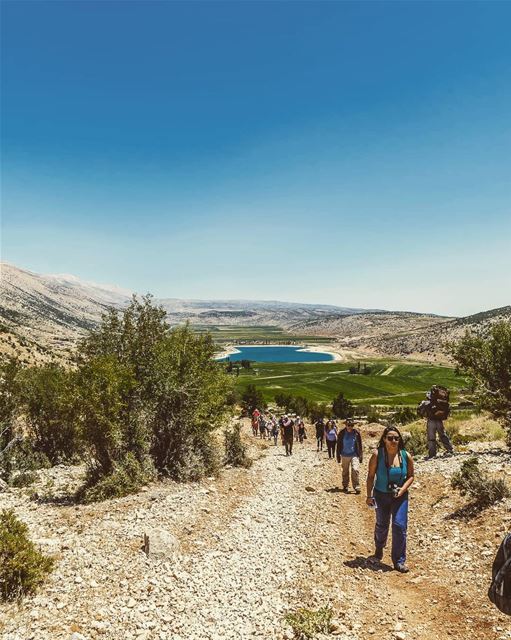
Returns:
point(263, 333)
point(402, 384)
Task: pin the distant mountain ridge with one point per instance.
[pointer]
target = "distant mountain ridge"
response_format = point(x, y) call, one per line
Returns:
point(43, 316)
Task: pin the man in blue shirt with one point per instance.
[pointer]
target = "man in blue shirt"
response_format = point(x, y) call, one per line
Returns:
point(349, 454)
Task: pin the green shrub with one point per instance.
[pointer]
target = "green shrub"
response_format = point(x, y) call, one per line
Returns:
point(190, 400)
point(487, 360)
point(477, 485)
point(22, 567)
point(252, 399)
point(306, 623)
point(371, 413)
point(235, 450)
point(342, 407)
point(404, 415)
point(417, 441)
point(21, 459)
point(23, 479)
point(48, 398)
point(126, 476)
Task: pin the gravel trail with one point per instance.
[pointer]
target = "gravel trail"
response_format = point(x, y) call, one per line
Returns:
point(229, 557)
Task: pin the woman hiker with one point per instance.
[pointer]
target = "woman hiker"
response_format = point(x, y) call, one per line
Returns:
point(302, 433)
point(388, 480)
point(331, 437)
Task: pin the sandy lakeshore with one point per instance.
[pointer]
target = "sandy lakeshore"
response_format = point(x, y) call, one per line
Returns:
point(337, 354)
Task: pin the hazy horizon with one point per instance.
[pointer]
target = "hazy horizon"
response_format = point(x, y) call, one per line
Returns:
point(350, 154)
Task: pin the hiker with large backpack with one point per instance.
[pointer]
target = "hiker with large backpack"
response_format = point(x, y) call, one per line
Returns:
point(500, 588)
point(389, 477)
point(435, 408)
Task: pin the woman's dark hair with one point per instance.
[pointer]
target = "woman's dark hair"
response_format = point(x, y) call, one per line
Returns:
point(401, 443)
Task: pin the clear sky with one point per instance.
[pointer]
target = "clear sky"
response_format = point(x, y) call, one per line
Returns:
point(347, 153)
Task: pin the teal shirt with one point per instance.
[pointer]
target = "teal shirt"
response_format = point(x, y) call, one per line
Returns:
point(393, 475)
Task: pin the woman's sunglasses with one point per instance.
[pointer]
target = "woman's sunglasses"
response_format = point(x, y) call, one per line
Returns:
point(393, 438)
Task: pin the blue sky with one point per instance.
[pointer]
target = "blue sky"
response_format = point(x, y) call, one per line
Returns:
point(347, 153)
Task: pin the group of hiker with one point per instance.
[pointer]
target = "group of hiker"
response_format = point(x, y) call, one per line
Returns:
point(389, 477)
point(390, 470)
point(266, 426)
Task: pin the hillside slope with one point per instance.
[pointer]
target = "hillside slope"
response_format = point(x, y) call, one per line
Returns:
point(44, 314)
point(431, 342)
point(403, 334)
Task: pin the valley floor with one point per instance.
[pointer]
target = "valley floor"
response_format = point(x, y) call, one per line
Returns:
point(230, 556)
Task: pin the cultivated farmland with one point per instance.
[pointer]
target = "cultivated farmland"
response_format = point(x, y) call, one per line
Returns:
point(389, 383)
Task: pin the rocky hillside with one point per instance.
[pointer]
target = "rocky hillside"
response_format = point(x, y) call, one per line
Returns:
point(362, 326)
point(430, 342)
point(403, 334)
point(45, 315)
point(247, 312)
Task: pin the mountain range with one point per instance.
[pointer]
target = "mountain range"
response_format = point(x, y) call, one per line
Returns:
point(43, 316)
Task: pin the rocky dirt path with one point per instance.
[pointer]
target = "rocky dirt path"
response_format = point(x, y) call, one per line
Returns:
point(229, 557)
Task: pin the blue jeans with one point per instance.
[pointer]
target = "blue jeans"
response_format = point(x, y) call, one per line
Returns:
point(388, 506)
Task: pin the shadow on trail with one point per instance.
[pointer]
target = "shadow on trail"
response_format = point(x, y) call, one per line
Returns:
point(333, 490)
point(467, 512)
point(360, 562)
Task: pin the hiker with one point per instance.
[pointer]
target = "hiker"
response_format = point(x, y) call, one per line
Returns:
point(255, 421)
point(274, 430)
point(388, 480)
point(287, 430)
point(331, 437)
point(296, 422)
point(435, 408)
point(262, 427)
point(302, 433)
point(349, 454)
point(320, 433)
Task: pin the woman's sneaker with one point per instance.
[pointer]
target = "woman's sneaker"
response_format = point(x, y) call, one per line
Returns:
point(402, 568)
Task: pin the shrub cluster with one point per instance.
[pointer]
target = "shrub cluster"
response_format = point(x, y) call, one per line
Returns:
point(487, 360)
point(142, 399)
point(340, 407)
point(235, 450)
point(306, 623)
point(482, 489)
point(22, 567)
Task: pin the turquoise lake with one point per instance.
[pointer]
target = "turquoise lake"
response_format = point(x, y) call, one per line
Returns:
point(277, 354)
